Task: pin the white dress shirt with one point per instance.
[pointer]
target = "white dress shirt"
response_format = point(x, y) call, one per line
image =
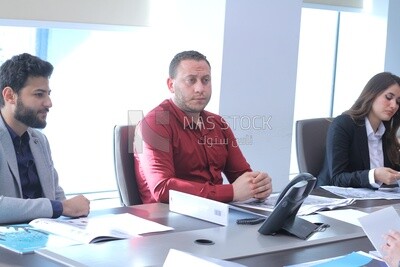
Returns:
point(375, 150)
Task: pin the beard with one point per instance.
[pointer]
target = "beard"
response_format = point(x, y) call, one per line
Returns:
point(185, 104)
point(28, 116)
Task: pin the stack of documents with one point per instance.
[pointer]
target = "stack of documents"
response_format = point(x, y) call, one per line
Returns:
point(364, 193)
point(310, 205)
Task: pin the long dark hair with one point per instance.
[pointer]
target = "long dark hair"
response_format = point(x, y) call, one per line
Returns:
point(363, 105)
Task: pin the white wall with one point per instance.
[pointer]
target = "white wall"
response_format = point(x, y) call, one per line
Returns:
point(392, 60)
point(258, 80)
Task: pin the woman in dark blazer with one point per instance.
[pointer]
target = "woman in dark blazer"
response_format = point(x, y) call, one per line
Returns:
point(362, 149)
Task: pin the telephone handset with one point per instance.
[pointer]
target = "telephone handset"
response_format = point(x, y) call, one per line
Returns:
point(300, 177)
point(283, 217)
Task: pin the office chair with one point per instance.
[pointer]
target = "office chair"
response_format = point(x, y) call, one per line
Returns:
point(123, 165)
point(311, 144)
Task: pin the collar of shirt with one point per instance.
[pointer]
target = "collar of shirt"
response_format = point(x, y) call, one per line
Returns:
point(203, 124)
point(25, 137)
point(18, 141)
point(370, 132)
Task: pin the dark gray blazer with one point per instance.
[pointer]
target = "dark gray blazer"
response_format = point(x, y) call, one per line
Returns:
point(13, 208)
point(347, 160)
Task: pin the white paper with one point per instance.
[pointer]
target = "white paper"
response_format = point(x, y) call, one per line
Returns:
point(177, 258)
point(346, 215)
point(378, 223)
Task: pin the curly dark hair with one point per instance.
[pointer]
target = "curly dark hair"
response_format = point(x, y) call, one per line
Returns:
point(15, 72)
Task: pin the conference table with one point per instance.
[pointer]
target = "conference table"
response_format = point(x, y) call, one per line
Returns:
point(235, 243)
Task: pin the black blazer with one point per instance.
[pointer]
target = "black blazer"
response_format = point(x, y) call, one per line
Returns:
point(347, 155)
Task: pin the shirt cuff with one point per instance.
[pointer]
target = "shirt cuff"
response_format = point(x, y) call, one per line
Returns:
point(223, 193)
point(57, 208)
point(371, 178)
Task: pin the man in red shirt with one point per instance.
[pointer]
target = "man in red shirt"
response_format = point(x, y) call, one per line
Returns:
point(186, 148)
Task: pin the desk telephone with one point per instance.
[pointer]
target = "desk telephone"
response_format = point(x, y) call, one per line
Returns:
point(283, 217)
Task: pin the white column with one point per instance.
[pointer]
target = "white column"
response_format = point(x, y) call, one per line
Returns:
point(259, 78)
point(392, 57)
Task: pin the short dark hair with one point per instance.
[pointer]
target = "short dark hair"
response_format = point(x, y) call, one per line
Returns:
point(193, 55)
point(15, 72)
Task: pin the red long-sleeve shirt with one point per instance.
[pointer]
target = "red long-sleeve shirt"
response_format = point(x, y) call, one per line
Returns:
point(171, 152)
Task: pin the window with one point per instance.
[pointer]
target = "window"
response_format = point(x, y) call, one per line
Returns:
point(13, 40)
point(100, 75)
point(338, 53)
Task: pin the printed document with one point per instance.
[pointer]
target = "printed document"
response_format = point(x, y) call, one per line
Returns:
point(364, 193)
point(46, 233)
point(102, 228)
point(310, 205)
